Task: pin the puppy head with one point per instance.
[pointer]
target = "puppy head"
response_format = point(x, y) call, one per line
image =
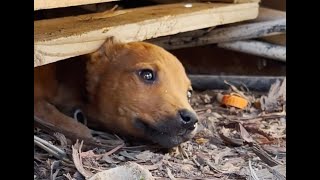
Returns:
point(141, 90)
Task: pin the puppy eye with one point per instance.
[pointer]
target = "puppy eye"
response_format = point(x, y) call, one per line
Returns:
point(189, 94)
point(147, 75)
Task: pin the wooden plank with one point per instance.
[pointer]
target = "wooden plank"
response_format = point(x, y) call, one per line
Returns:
point(257, 48)
point(192, 1)
point(267, 14)
point(51, 4)
point(269, 22)
point(236, 1)
point(58, 39)
point(276, 39)
point(275, 4)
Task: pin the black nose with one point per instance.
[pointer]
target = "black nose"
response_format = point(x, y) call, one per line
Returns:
point(188, 118)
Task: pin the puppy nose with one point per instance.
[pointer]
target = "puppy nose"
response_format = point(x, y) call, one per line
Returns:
point(188, 118)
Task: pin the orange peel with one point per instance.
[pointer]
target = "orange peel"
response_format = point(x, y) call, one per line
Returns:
point(235, 101)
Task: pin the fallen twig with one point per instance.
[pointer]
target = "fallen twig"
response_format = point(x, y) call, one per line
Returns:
point(236, 90)
point(183, 152)
point(252, 172)
point(76, 151)
point(93, 142)
point(229, 140)
point(260, 117)
point(50, 148)
point(264, 156)
point(68, 176)
point(53, 166)
point(277, 174)
point(196, 162)
point(258, 48)
point(170, 174)
point(113, 150)
point(98, 156)
point(207, 162)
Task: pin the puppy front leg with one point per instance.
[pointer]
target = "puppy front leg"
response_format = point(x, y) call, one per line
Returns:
point(48, 113)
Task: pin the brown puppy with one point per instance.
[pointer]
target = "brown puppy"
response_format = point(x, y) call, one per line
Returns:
point(135, 89)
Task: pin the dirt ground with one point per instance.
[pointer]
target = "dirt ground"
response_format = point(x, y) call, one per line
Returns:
point(231, 144)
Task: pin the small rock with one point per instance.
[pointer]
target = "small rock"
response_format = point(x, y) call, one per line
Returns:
point(130, 171)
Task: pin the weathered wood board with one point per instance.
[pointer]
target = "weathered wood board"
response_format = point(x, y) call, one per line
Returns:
point(51, 4)
point(61, 38)
point(269, 22)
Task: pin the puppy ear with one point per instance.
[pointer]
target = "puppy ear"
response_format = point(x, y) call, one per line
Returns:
point(107, 51)
point(98, 60)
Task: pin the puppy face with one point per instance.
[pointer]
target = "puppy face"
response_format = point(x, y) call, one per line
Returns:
point(141, 90)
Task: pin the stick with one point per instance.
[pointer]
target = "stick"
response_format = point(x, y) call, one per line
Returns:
point(220, 35)
point(257, 48)
point(254, 83)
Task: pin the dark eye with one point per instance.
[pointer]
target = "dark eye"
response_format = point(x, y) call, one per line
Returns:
point(189, 94)
point(147, 75)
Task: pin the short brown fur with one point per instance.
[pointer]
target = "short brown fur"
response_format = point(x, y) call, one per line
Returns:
point(106, 86)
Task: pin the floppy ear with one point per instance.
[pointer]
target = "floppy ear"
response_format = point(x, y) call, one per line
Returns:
point(107, 51)
point(99, 60)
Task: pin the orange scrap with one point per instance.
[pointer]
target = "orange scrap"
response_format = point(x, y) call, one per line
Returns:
point(235, 101)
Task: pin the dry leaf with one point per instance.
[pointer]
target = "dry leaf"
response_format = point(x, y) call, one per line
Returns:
point(261, 139)
point(88, 154)
point(221, 154)
point(62, 139)
point(77, 160)
point(153, 166)
point(245, 135)
point(144, 156)
point(109, 160)
point(225, 136)
point(264, 156)
point(274, 150)
point(276, 98)
point(170, 174)
point(229, 168)
point(202, 140)
point(128, 155)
